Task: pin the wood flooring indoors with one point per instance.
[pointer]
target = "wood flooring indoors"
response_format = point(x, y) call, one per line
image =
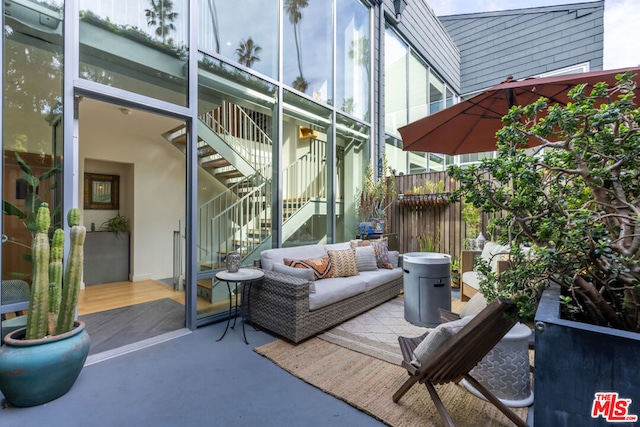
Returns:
point(107, 296)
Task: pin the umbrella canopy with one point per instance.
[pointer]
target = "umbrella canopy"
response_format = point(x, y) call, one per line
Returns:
point(471, 125)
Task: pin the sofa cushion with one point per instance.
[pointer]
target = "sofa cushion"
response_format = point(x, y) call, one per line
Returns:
point(321, 266)
point(276, 255)
point(343, 262)
point(499, 253)
point(471, 279)
point(373, 279)
point(302, 273)
point(436, 339)
point(494, 252)
point(487, 251)
point(366, 258)
point(329, 291)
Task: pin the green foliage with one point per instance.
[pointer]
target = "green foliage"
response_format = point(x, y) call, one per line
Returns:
point(374, 193)
point(116, 224)
point(52, 306)
point(574, 199)
point(455, 264)
point(135, 34)
point(429, 187)
point(471, 217)
point(39, 299)
point(34, 199)
point(161, 16)
point(72, 274)
point(248, 52)
point(429, 243)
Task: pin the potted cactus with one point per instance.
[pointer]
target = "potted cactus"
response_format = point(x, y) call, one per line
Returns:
point(50, 352)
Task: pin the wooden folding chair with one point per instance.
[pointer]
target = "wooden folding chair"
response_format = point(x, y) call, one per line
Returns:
point(459, 355)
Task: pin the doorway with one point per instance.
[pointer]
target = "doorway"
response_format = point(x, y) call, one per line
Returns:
point(132, 194)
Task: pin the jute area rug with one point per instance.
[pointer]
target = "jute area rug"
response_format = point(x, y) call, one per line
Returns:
point(376, 332)
point(367, 380)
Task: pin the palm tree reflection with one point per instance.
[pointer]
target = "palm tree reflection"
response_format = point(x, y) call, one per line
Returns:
point(293, 8)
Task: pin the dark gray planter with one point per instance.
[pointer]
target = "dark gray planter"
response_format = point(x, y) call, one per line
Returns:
point(574, 361)
point(106, 257)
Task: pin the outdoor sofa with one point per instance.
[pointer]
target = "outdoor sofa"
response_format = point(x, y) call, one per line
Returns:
point(297, 308)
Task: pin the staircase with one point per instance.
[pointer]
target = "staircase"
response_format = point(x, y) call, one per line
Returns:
point(235, 148)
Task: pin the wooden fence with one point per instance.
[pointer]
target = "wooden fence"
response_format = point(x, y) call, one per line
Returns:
point(417, 217)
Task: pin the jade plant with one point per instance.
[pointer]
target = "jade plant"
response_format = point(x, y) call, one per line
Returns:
point(569, 208)
point(54, 295)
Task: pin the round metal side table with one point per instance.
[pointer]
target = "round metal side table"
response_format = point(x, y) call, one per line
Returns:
point(244, 276)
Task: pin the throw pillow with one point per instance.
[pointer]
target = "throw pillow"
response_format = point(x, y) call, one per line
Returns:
point(302, 273)
point(381, 249)
point(436, 339)
point(474, 306)
point(343, 262)
point(321, 266)
point(366, 258)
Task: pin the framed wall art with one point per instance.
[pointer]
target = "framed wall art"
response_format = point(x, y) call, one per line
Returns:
point(101, 191)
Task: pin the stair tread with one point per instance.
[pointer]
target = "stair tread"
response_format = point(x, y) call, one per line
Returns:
point(215, 163)
point(229, 174)
point(247, 240)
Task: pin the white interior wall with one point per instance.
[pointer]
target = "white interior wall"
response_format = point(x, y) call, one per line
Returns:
point(152, 187)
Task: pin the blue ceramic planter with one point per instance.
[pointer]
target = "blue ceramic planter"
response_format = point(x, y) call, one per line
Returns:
point(33, 372)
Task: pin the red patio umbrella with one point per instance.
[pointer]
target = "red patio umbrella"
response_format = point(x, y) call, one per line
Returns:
point(471, 125)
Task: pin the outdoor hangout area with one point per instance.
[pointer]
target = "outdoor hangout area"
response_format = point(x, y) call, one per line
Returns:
point(507, 265)
point(359, 308)
point(446, 310)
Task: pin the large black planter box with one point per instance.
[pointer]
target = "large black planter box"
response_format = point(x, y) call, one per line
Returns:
point(574, 361)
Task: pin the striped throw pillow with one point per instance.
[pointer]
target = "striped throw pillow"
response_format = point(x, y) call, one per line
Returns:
point(366, 258)
point(381, 249)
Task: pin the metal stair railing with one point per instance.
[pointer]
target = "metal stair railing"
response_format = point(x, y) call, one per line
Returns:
point(241, 226)
point(223, 203)
point(232, 123)
point(244, 224)
point(236, 221)
point(304, 180)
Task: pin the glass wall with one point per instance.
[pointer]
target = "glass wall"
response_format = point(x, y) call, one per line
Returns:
point(235, 152)
point(419, 93)
point(32, 119)
point(436, 94)
point(308, 35)
point(395, 82)
point(306, 140)
point(317, 54)
point(451, 98)
point(244, 31)
point(352, 156)
point(396, 158)
point(353, 59)
point(412, 91)
point(138, 45)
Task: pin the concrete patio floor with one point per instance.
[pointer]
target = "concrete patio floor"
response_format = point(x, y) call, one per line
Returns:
point(191, 380)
